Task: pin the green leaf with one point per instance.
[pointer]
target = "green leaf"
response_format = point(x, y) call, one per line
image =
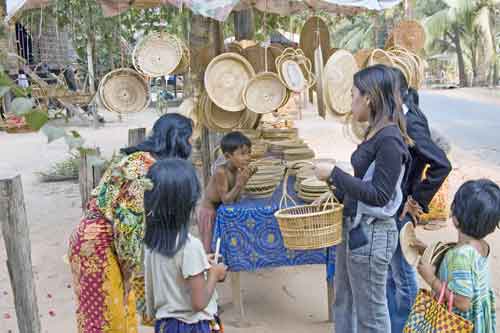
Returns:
point(52, 133)
point(73, 142)
point(4, 90)
point(36, 119)
point(22, 105)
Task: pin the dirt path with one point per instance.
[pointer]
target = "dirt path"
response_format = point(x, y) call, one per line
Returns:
point(280, 300)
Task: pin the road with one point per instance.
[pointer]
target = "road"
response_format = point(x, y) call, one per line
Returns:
point(470, 125)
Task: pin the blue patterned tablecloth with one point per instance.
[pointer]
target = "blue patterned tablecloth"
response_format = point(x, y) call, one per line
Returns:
point(251, 237)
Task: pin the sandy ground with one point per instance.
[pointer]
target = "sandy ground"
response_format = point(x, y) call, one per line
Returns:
point(476, 94)
point(280, 300)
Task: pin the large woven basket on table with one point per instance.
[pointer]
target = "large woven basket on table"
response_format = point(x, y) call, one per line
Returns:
point(309, 227)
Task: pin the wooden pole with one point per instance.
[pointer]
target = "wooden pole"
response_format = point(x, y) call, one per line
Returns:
point(136, 136)
point(89, 174)
point(90, 61)
point(18, 247)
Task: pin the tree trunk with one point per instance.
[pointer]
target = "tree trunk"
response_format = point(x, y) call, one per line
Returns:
point(460, 56)
point(90, 64)
point(206, 42)
point(244, 24)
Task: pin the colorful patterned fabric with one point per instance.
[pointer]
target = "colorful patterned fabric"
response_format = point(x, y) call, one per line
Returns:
point(102, 305)
point(428, 316)
point(106, 249)
point(172, 325)
point(251, 238)
point(467, 274)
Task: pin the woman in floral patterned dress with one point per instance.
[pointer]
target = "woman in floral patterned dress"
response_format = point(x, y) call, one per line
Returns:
point(105, 249)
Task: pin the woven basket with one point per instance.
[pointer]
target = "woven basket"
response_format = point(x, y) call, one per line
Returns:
point(157, 54)
point(362, 57)
point(338, 81)
point(226, 77)
point(295, 70)
point(309, 40)
point(124, 91)
point(183, 66)
point(379, 56)
point(264, 93)
point(309, 227)
point(408, 34)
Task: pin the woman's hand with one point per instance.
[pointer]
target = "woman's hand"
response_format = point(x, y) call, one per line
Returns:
point(427, 271)
point(413, 208)
point(322, 171)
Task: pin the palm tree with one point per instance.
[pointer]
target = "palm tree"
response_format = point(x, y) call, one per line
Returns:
point(464, 26)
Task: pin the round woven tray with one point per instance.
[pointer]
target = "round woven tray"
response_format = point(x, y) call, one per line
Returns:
point(362, 57)
point(338, 81)
point(292, 76)
point(157, 54)
point(264, 93)
point(124, 91)
point(223, 120)
point(185, 60)
point(408, 34)
point(309, 39)
point(226, 77)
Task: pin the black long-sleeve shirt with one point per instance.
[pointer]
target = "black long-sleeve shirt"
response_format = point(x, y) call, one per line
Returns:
point(390, 153)
point(424, 152)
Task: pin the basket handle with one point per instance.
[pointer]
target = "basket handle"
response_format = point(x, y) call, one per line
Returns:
point(442, 294)
point(285, 197)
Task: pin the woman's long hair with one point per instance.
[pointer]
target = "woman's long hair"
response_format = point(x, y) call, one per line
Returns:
point(408, 95)
point(169, 205)
point(379, 85)
point(170, 138)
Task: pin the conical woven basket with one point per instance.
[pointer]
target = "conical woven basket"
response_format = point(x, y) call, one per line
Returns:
point(124, 91)
point(264, 93)
point(226, 77)
point(157, 54)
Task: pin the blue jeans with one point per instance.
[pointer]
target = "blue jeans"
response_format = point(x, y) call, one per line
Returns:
point(360, 279)
point(402, 288)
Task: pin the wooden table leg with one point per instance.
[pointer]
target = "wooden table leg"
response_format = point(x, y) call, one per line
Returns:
point(331, 299)
point(237, 296)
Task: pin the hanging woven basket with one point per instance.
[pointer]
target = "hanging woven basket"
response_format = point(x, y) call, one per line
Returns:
point(379, 56)
point(124, 91)
point(226, 77)
point(409, 35)
point(362, 57)
point(157, 54)
point(264, 93)
point(338, 81)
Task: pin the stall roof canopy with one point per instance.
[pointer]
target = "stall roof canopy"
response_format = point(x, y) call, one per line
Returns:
point(220, 9)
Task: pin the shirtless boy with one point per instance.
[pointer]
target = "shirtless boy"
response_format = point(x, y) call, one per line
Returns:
point(227, 182)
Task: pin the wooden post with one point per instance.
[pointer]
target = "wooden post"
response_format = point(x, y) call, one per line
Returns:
point(136, 136)
point(89, 175)
point(17, 244)
point(90, 61)
point(331, 299)
point(236, 293)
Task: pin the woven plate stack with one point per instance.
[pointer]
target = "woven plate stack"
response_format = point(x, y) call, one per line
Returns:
point(265, 180)
point(298, 154)
point(277, 148)
point(280, 134)
point(311, 189)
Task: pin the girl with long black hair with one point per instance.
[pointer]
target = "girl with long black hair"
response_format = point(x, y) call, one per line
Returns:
point(105, 249)
point(178, 295)
point(371, 199)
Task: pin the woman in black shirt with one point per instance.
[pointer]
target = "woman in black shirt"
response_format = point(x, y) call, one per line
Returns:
point(371, 199)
